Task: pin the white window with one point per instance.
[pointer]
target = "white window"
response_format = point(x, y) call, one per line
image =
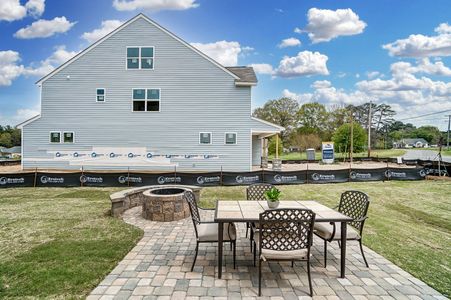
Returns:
point(140, 58)
point(205, 138)
point(230, 138)
point(55, 137)
point(68, 137)
point(100, 95)
point(146, 100)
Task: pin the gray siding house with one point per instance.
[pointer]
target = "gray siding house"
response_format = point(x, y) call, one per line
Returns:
point(142, 98)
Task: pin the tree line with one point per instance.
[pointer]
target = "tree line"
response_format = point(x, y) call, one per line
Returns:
point(307, 125)
point(9, 136)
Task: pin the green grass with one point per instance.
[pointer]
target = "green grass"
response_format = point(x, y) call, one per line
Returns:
point(58, 243)
point(374, 153)
point(409, 222)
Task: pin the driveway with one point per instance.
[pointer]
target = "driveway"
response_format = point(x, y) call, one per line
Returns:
point(424, 155)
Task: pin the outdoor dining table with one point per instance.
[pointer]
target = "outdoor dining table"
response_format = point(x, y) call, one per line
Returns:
point(249, 211)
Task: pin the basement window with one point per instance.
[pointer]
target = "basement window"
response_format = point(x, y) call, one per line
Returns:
point(140, 58)
point(146, 100)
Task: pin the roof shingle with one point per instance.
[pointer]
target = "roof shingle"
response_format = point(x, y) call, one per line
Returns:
point(246, 74)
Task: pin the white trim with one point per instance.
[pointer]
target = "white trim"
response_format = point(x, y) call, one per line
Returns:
point(139, 16)
point(238, 83)
point(73, 137)
point(139, 58)
point(225, 138)
point(104, 95)
point(268, 123)
point(50, 137)
point(26, 122)
point(211, 137)
point(146, 100)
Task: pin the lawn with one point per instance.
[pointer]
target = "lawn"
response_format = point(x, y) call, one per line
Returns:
point(374, 153)
point(60, 242)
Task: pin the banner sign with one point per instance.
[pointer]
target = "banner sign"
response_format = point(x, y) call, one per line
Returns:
point(329, 176)
point(357, 175)
point(292, 177)
point(201, 179)
point(245, 178)
point(17, 180)
point(405, 174)
point(58, 179)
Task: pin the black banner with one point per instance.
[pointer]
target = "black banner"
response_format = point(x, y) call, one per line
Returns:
point(58, 179)
point(201, 179)
point(329, 176)
point(405, 174)
point(17, 180)
point(291, 177)
point(245, 178)
point(357, 175)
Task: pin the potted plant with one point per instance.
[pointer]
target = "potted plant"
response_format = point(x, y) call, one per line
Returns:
point(272, 197)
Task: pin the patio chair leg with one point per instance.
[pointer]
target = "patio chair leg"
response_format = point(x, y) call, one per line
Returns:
point(247, 228)
point(309, 277)
point(234, 254)
point(251, 234)
point(259, 277)
point(363, 254)
point(292, 263)
point(255, 253)
point(195, 256)
point(325, 253)
point(339, 244)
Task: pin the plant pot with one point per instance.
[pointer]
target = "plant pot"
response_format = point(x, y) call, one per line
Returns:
point(272, 204)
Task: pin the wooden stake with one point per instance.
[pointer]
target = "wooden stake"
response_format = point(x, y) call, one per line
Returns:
point(35, 176)
point(277, 146)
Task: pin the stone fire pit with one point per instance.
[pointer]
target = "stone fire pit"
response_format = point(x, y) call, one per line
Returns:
point(165, 204)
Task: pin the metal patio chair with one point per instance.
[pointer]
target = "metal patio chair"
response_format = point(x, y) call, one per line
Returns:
point(285, 235)
point(207, 231)
point(355, 205)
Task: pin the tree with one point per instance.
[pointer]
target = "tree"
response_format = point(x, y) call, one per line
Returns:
point(281, 112)
point(312, 118)
point(272, 146)
point(430, 133)
point(342, 137)
point(305, 141)
point(9, 136)
point(5, 140)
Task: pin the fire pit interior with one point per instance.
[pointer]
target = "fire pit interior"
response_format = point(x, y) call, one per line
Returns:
point(165, 204)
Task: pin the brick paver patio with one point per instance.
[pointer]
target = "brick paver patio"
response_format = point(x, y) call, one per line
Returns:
point(158, 267)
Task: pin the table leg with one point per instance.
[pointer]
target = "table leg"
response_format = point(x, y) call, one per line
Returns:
point(343, 250)
point(220, 242)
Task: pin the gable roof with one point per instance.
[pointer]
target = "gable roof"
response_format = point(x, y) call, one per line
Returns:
point(144, 17)
point(246, 75)
point(32, 119)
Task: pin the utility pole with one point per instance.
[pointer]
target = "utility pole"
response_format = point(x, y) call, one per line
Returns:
point(449, 123)
point(352, 138)
point(369, 129)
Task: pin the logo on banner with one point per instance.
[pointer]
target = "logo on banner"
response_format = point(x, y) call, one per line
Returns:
point(246, 179)
point(394, 174)
point(6, 180)
point(124, 179)
point(48, 179)
point(282, 179)
point(316, 177)
point(90, 179)
point(205, 179)
point(423, 173)
point(356, 175)
point(164, 179)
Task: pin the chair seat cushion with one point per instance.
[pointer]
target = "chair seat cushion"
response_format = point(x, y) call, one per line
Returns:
point(208, 232)
point(267, 254)
point(325, 231)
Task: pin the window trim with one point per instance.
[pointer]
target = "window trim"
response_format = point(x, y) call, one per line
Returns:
point(50, 137)
point(139, 58)
point(104, 95)
point(145, 100)
point(73, 137)
point(225, 138)
point(211, 137)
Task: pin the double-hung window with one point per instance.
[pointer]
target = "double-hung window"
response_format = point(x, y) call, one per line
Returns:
point(205, 138)
point(230, 138)
point(140, 57)
point(68, 137)
point(100, 95)
point(146, 100)
point(55, 137)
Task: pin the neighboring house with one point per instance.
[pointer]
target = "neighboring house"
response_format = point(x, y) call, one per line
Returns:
point(411, 143)
point(142, 98)
point(13, 152)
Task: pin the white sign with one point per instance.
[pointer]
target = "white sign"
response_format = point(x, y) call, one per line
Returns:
point(328, 152)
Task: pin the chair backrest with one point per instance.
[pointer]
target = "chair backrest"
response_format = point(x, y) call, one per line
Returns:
point(195, 216)
point(286, 229)
point(354, 204)
point(257, 191)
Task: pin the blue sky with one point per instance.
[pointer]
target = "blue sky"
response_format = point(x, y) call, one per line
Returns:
point(333, 52)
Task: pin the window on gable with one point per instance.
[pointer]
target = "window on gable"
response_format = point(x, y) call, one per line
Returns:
point(230, 138)
point(55, 137)
point(146, 100)
point(140, 57)
point(100, 95)
point(205, 138)
point(68, 137)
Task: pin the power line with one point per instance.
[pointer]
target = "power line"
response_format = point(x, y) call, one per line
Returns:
point(425, 115)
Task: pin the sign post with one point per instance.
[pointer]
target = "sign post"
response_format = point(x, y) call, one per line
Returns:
point(328, 152)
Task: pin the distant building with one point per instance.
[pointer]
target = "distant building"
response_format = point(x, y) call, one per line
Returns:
point(13, 152)
point(411, 143)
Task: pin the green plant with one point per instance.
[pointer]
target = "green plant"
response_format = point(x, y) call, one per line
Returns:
point(272, 194)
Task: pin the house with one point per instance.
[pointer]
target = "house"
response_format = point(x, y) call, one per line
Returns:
point(13, 152)
point(411, 143)
point(141, 98)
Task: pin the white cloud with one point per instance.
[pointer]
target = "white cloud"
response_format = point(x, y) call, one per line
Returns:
point(423, 66)
point(321, 84)
point(224, 52)
point(154, 5)
point(60, 56)
point(262, 68)
point(9, 67)
point(325, 25)
point(373, 74)
point(418, 45)
point(35, 8)
point(98, 33)
point(11, 10)
point(44, 28)
point(289, 42)
point(305, 63)
point(20, 115)
point(297, 30)
point(341, 74)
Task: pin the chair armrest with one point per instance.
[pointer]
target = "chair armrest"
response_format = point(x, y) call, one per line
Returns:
point(361, 219)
